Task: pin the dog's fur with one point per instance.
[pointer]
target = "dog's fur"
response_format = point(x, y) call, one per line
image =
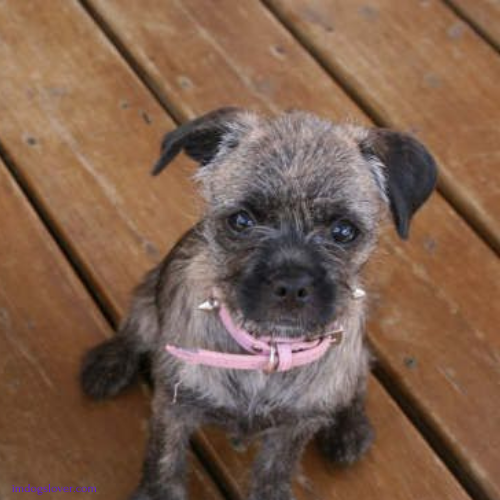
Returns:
point(295, 174)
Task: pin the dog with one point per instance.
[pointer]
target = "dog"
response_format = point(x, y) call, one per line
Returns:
point(255, 319)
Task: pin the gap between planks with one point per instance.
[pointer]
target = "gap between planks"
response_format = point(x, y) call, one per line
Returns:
point(99, 298)
point(148, 81)
point(225, 483)
point(475, 25)
point(170, 107)
point(396, 392)
point(451, 192)
point(410, 407)
point(405, 403)
point(227, 490)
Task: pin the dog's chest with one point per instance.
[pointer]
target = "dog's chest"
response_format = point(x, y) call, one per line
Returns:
point(255, 395)
point(249, 402)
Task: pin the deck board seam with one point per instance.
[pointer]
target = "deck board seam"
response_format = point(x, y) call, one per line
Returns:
point(419, 420)
point(105, 308)
point(396, 392)
point(377, 117)
point(57, 236)
point(110, 315)
point(429, 433)
point(225, 484)
point(142, 74)
point(475, 26)
point(416, 417)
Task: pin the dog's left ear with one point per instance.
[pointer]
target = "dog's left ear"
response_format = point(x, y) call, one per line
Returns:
point(200, 138)
point(408, 169)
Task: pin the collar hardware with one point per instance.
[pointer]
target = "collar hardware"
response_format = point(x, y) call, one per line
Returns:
point(267, 354)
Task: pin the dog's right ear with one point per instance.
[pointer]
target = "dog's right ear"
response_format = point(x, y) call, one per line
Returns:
point(199, 138)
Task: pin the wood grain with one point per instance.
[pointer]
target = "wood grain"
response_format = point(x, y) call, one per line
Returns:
point(83, 131)
point(196, 57)
point(417, 66)
point(380, 473)
point(49, 432)
point(54, 82)
point(484, 15)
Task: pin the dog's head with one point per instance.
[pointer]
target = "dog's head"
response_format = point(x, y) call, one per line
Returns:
point(293, 208)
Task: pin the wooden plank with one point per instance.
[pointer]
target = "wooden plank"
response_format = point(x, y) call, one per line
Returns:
point(418, 67)
point(484, 15)
point(88, 168)
point(382, 471)
point(200, 61)
point(86, 189)
point(50, 434)
point(432, 360)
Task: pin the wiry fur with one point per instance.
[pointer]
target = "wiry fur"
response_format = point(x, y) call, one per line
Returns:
point(299, 173)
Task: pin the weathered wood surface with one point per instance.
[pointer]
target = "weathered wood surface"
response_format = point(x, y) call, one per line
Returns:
point(83, 131)
point(418, 66)
point(441, 357)
point(199, 56)
point(64, 93)
point(386, 471)
point(484, 15)
point(50, 434)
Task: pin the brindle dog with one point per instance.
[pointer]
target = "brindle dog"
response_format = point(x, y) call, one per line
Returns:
point(293, 209)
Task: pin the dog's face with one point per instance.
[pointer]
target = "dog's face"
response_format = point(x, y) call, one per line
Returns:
point(293, 209)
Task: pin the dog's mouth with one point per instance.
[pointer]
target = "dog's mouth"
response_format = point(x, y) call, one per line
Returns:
point(308, 322)
point(269, 322)
point(284, 327)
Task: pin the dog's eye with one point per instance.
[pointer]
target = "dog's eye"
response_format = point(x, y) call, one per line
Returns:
point(240, 221)
point(344, 232)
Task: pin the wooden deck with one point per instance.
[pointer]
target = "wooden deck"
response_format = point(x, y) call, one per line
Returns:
point(87, 90)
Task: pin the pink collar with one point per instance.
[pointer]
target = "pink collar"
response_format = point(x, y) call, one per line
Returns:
point(266, 353)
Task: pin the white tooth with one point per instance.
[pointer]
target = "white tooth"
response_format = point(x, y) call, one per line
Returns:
point(358, 293)
point(208, 305)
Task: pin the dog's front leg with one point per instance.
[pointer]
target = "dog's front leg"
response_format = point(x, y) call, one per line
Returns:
point(279, 455)
point(163, 475)
point(349, 435)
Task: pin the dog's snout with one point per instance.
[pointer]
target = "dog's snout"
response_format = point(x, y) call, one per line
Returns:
point(295, 287)
point(287, 285)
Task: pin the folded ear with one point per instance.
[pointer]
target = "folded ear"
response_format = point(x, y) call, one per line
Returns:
point(200, 138)
point(408, 169)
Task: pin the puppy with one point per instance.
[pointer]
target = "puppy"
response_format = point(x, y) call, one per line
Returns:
point(254, 321)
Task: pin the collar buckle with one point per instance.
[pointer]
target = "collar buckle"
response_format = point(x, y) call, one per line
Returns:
point(335, 337)
point(273, 359)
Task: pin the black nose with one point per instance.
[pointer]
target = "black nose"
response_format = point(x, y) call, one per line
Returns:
point(293, 287)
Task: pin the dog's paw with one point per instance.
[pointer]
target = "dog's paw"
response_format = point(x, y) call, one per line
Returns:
point(140, 494)
point(347, 440)
point(175, 494)
point(271, 493)
point(107, 369)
